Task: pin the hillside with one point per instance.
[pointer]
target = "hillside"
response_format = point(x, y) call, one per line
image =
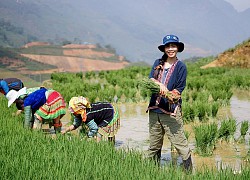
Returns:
point(13, 36)
point(239, 56)
point(10, 59)
point(41, 58)
point(75, 57)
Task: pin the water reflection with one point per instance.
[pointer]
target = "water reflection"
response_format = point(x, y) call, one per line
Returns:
point(133, 133)
point(240, 110)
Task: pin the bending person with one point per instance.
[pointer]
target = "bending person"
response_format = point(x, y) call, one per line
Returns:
point(42, 106)
point(10, 84)
point(101, 118)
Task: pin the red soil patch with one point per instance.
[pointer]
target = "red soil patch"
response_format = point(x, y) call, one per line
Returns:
point(76, 64)
point(80, 46)
point(87, 53)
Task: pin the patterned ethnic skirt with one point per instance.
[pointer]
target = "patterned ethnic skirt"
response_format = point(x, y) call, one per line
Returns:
point(54, 107)
point(111, 129)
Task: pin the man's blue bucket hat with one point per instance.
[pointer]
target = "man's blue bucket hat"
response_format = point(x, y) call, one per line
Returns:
point(171, 39)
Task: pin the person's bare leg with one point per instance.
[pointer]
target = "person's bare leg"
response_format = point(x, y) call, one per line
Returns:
point(57, 125)
point(37, 122)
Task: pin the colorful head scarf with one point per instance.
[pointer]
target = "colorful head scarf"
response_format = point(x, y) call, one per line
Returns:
point(78, 105)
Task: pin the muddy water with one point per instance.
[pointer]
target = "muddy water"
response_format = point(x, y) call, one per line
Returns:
point(134, 134)
point(134, 127)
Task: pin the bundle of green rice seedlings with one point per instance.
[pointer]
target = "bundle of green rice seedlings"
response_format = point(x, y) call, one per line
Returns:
point(149, 85)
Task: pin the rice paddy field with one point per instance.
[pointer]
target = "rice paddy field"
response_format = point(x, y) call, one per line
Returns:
point(27, 154)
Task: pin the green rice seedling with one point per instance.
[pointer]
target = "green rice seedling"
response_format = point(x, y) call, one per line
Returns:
point(239, 80)
point(197, 85)
point(205, 137)
point(244, 128)
point(227, 129)
point(194, 95)
point(215, 108)
point(222, 95)
point(208, 109)
point(188, 112)
point(225, 97)
point(132, 94)
point(215, 94)
point(149, 86)
point(243, 131)
point(200, 110)
point(190, 84)
point(203, 96)
point(185, 96)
